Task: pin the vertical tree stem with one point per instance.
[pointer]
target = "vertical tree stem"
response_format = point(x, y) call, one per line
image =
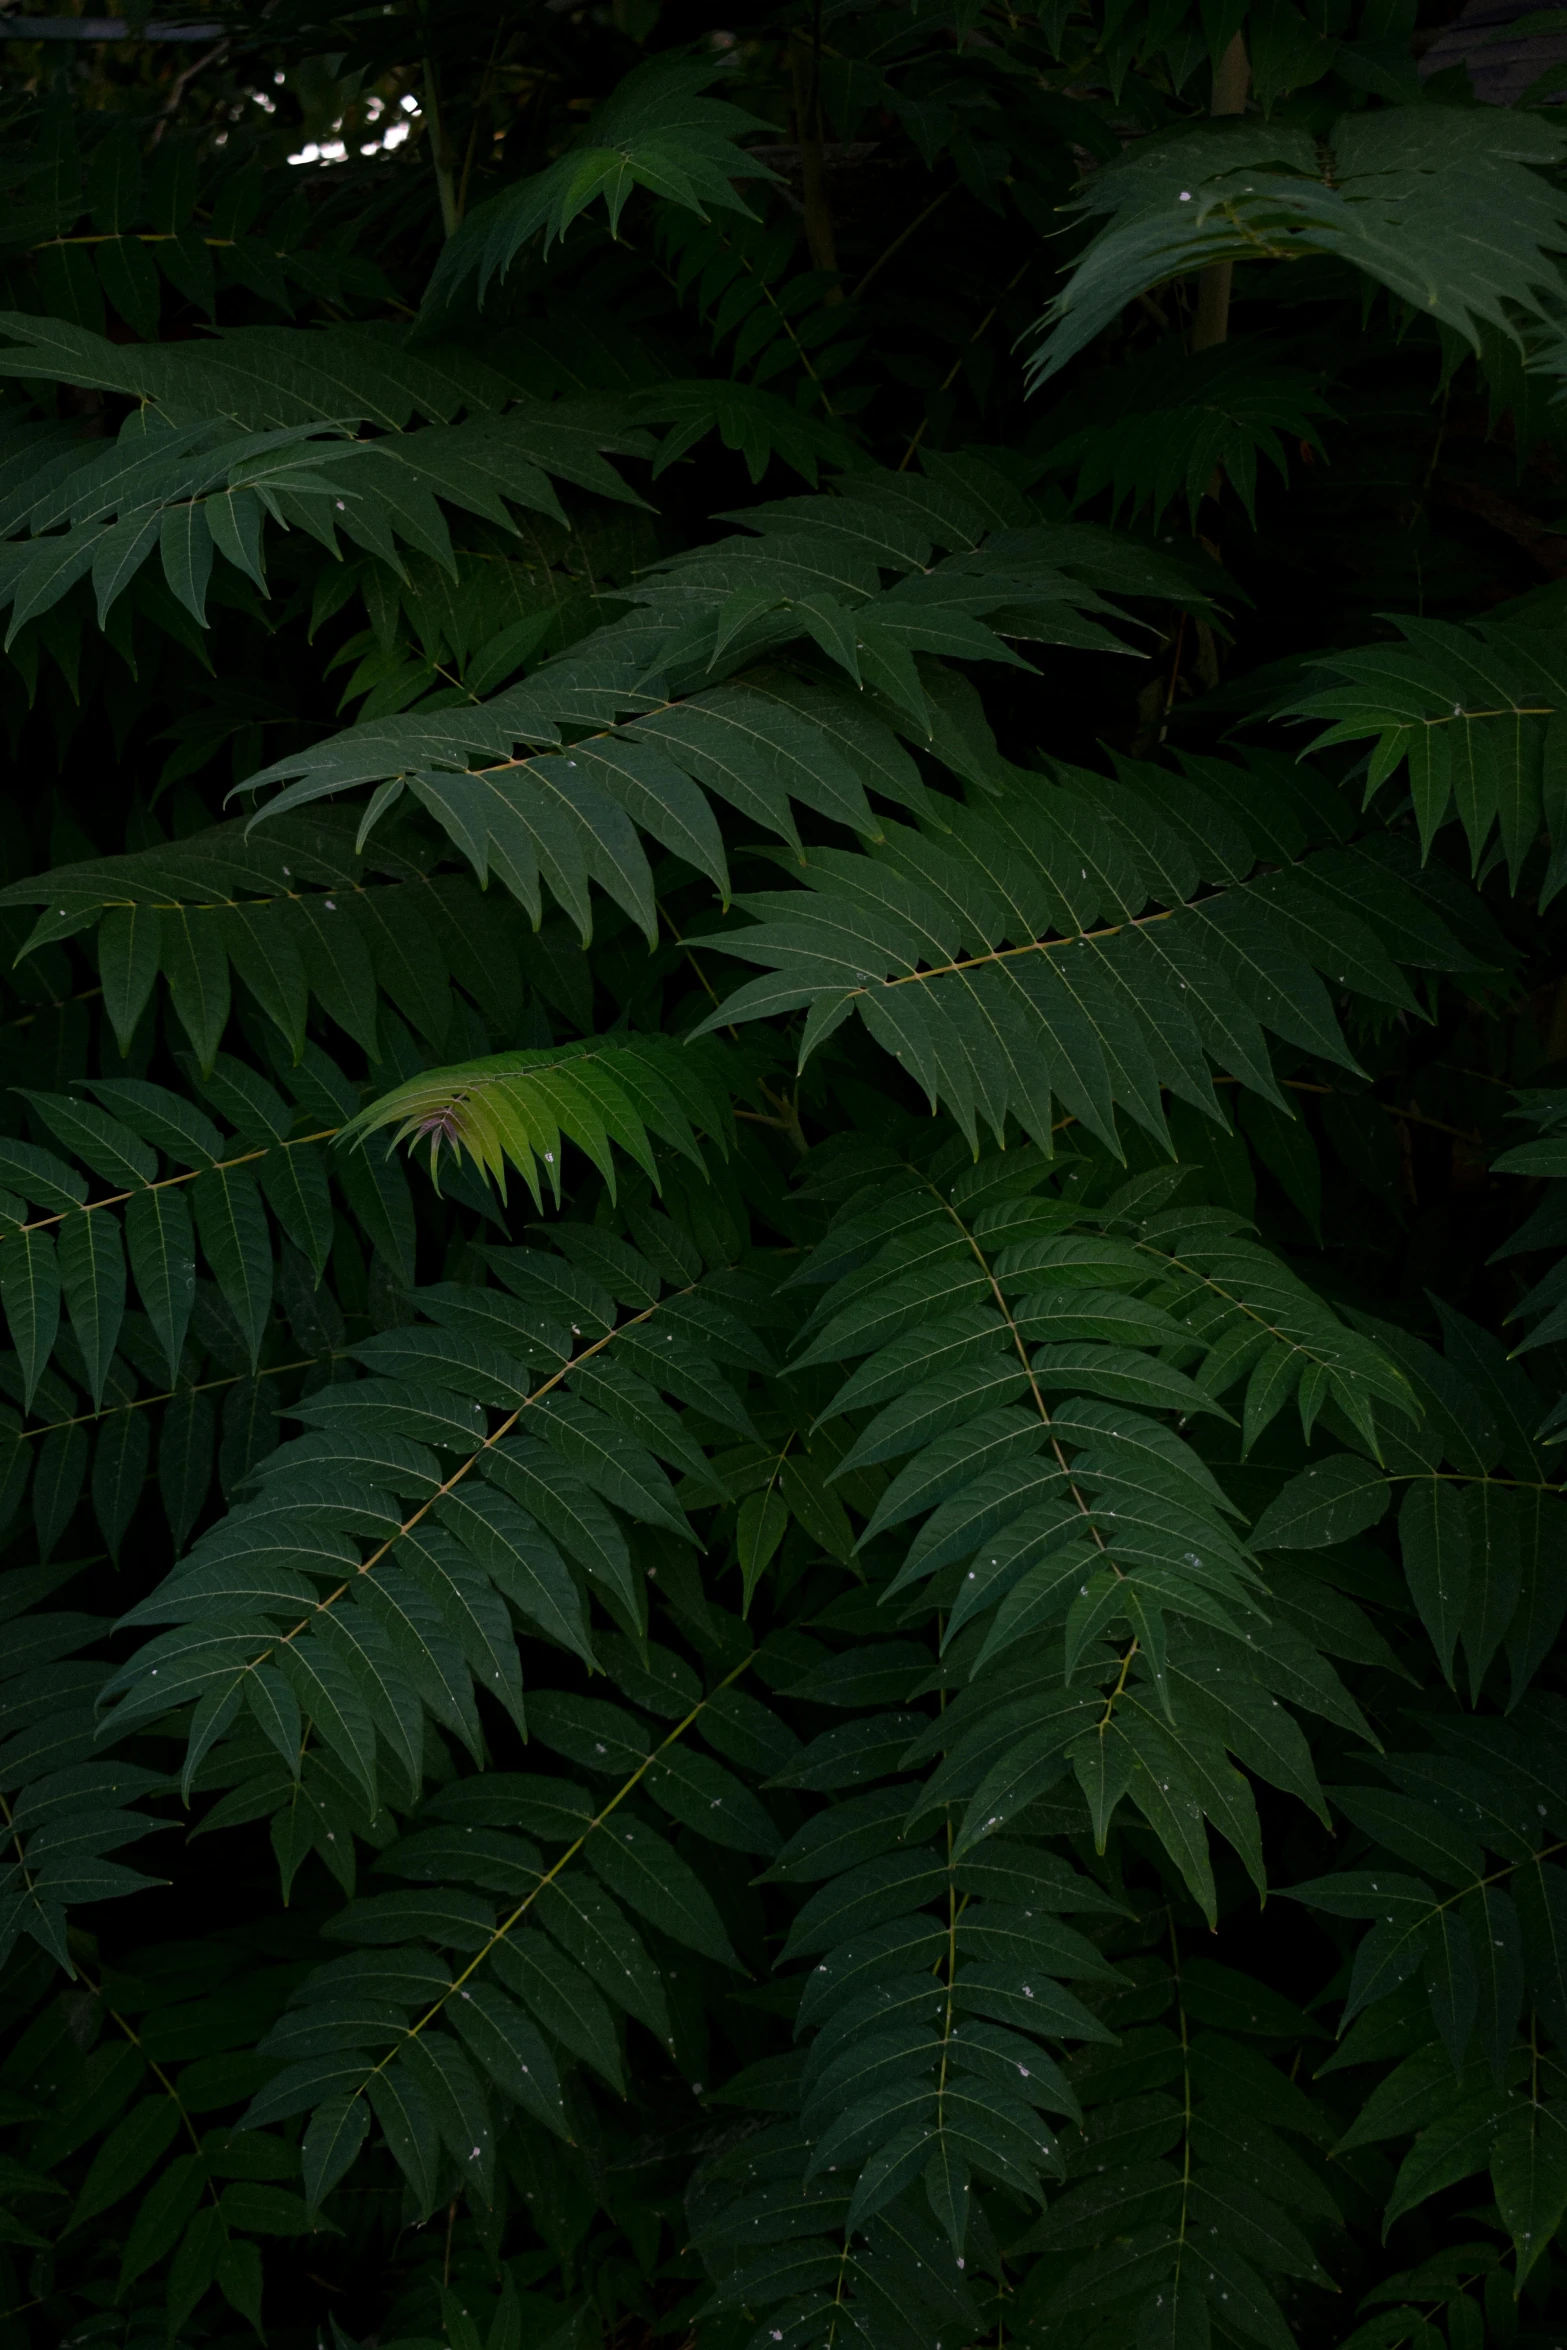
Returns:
point(805, 61)
point(440, 156)
point(1211, 324)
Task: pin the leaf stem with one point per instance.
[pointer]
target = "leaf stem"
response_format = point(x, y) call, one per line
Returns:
point(115, 1199)
point(196, 1387)
point(1211, 324)
point(1033, 1383)
point(445, 184)
point(550, 1874)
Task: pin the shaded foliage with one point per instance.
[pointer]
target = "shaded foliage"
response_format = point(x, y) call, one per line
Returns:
point(782, 1182)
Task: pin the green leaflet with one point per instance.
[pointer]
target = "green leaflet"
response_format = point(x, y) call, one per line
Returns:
point(92, 1284)
point(232, 1225)
point(30, 1292)
point(1435, 1538)
point(1530, 2178)
point(161, 1247)
point(1323, 1506)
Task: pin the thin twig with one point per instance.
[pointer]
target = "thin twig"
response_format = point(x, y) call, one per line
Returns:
point(902, 239)
point(951, 376)
point(182, 82)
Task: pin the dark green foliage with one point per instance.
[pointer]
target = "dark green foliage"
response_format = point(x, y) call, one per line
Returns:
point(783, 1185)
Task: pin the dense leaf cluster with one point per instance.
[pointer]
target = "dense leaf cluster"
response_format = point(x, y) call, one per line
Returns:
point(783, 1182)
